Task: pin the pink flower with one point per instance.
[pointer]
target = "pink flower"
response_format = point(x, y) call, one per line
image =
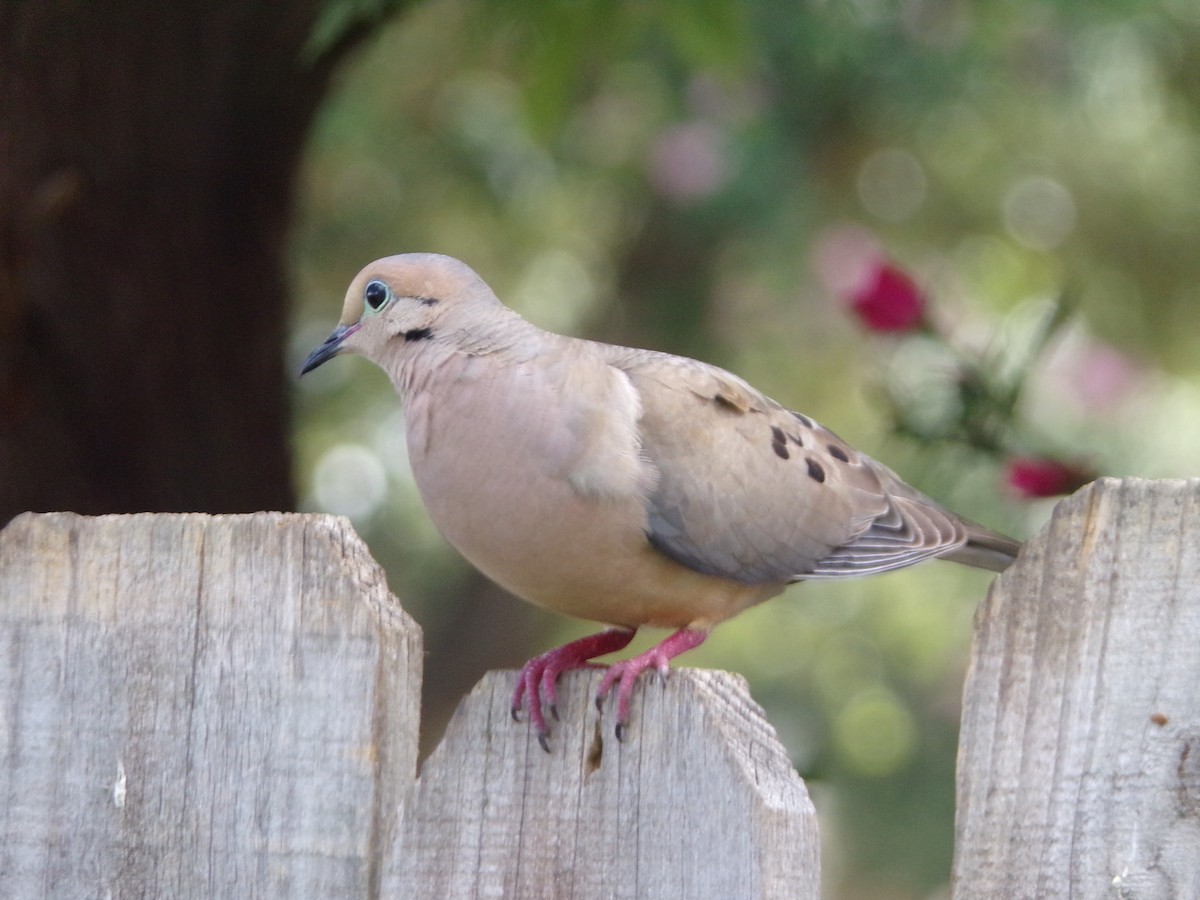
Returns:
point(887, 300)
point(1098, 376)
point(1032, 477)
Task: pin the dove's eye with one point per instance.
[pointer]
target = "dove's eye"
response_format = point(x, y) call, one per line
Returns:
point(377, 294)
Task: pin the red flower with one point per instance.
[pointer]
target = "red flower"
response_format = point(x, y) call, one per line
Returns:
point(888, 301)
point(1034, 477)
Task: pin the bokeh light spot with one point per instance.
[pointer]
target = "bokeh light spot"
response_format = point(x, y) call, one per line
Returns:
point(349, 480)
point(689, 161)
point(876, 732)
point(1039, 213)
point(892, 185)
point(555, 290)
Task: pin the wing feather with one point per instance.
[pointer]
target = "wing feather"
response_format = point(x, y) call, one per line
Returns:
point(750, 491)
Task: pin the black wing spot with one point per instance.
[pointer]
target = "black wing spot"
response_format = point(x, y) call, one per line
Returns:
point(815, 472)
point(723, 401)
point(838, 453)
point(418, 334)
point(779, 442)
point(803, 419)
point(796, 439)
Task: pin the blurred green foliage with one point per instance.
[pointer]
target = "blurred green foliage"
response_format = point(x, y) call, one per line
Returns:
point(691, 176)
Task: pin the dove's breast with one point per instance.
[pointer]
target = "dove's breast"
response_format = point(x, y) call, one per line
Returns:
point(532, 471)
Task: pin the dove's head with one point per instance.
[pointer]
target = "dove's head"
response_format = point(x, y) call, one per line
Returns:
point(411, 298)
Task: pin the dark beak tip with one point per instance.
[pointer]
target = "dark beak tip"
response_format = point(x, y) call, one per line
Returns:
point(314, 359)
point(317, 357)
point(330, 348)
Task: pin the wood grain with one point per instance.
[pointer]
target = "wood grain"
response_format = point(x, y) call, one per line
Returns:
point(199, 706)
point(699, 801)
point(1079, 757)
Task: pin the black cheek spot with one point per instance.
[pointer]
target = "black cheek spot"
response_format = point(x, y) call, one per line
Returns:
point(815, 472)
point(418, 334)
point(428, 301)
point(838, 453)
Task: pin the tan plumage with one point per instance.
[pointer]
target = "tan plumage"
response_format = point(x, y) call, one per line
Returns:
point(625, 486)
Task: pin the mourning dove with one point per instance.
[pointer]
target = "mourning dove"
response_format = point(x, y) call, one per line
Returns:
point(625, 486)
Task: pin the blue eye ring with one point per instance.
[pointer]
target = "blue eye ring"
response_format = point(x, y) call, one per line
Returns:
point(376, 295)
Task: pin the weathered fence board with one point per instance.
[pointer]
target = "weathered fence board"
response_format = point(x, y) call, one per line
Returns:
point(208, 707)
point(199, 707)
point(699, 801)
point(1079, 757)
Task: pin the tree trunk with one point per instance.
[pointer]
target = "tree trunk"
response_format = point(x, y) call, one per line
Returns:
point(147, 153)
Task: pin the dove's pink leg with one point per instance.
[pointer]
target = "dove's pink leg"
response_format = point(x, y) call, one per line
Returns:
point(538, 676)
point(624, 674)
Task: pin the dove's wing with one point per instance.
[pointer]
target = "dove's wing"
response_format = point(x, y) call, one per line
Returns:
point(750, 491)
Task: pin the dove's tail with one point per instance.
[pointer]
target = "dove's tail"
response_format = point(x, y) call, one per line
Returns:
point(985, 549)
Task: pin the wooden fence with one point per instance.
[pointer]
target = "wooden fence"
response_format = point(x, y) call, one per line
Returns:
point(227, 706)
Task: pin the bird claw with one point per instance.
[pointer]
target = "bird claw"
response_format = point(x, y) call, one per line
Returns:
point(622, 676)
point(538, 677)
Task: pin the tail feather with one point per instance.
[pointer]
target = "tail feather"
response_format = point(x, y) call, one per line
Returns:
point(985, 549)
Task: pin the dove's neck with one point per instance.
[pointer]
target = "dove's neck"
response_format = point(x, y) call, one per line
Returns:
point(491, 341)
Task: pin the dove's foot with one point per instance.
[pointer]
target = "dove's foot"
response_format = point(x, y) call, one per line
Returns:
point(624, 674)
point(538, 676)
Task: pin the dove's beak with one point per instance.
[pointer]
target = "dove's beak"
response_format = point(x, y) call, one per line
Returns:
point(330, 348)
